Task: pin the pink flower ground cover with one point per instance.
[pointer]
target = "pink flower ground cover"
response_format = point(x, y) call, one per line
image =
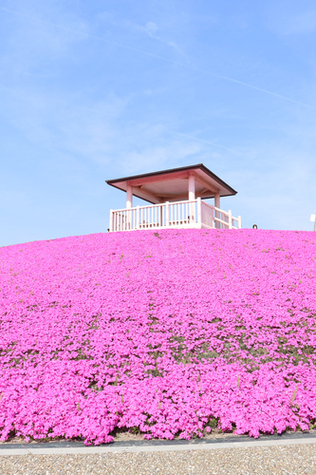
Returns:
point(171, 333)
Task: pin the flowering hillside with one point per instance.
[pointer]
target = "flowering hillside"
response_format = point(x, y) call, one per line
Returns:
point(170, 333)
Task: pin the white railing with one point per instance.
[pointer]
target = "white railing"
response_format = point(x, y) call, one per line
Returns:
point(225, 219)
point(179, 214)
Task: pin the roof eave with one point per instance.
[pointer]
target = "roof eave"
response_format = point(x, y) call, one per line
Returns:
point(200, 166)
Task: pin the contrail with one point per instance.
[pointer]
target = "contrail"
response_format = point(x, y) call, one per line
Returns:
point(205, 141)
point(162, 58)
point(95, 37)
point(266, 91)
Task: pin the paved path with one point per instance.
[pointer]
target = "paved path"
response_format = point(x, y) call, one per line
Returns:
point(293, 454)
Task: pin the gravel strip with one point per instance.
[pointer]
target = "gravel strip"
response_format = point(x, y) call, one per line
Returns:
point(291, 459)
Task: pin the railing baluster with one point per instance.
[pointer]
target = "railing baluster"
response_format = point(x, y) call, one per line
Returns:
point(167, 214)
point(199, 212)
point(230, 219)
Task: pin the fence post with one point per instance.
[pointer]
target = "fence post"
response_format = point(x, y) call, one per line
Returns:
point(167, 214)
point(111, 220)
point(217, 215)
point(160, 215)
point(239, 222)
point(137, 217)
point(230, 219)
point(199, 212)
point(129, 219)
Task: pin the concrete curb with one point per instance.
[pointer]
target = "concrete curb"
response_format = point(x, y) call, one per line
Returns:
point(72, 447)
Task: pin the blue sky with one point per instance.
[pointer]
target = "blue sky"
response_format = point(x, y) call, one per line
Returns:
point(91, 91)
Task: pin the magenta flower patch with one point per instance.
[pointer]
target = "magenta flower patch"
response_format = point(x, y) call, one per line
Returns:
point(170, 332)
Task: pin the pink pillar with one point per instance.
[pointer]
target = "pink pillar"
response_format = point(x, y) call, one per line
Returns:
point(129, 204)
point(217, 205)
point(191, 187)
point(192, 217)
point(129, 196)
point(217, 200)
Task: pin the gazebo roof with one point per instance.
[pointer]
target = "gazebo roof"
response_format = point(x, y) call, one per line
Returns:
point(172, 184)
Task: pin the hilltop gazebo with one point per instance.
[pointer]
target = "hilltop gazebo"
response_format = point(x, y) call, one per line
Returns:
point(176, 200)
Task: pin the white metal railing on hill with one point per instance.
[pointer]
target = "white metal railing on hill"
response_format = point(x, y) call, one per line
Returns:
point(179, 214)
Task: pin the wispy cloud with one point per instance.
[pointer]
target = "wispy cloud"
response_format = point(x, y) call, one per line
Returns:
point(32, 42)
point(287, 19)
point(152, 30)
point(99, 133)
point(170, 154)
point(208, 142)
point(87, 34)
point(64, 123)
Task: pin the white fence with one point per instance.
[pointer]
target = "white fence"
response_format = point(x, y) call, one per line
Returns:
point(179, 214)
